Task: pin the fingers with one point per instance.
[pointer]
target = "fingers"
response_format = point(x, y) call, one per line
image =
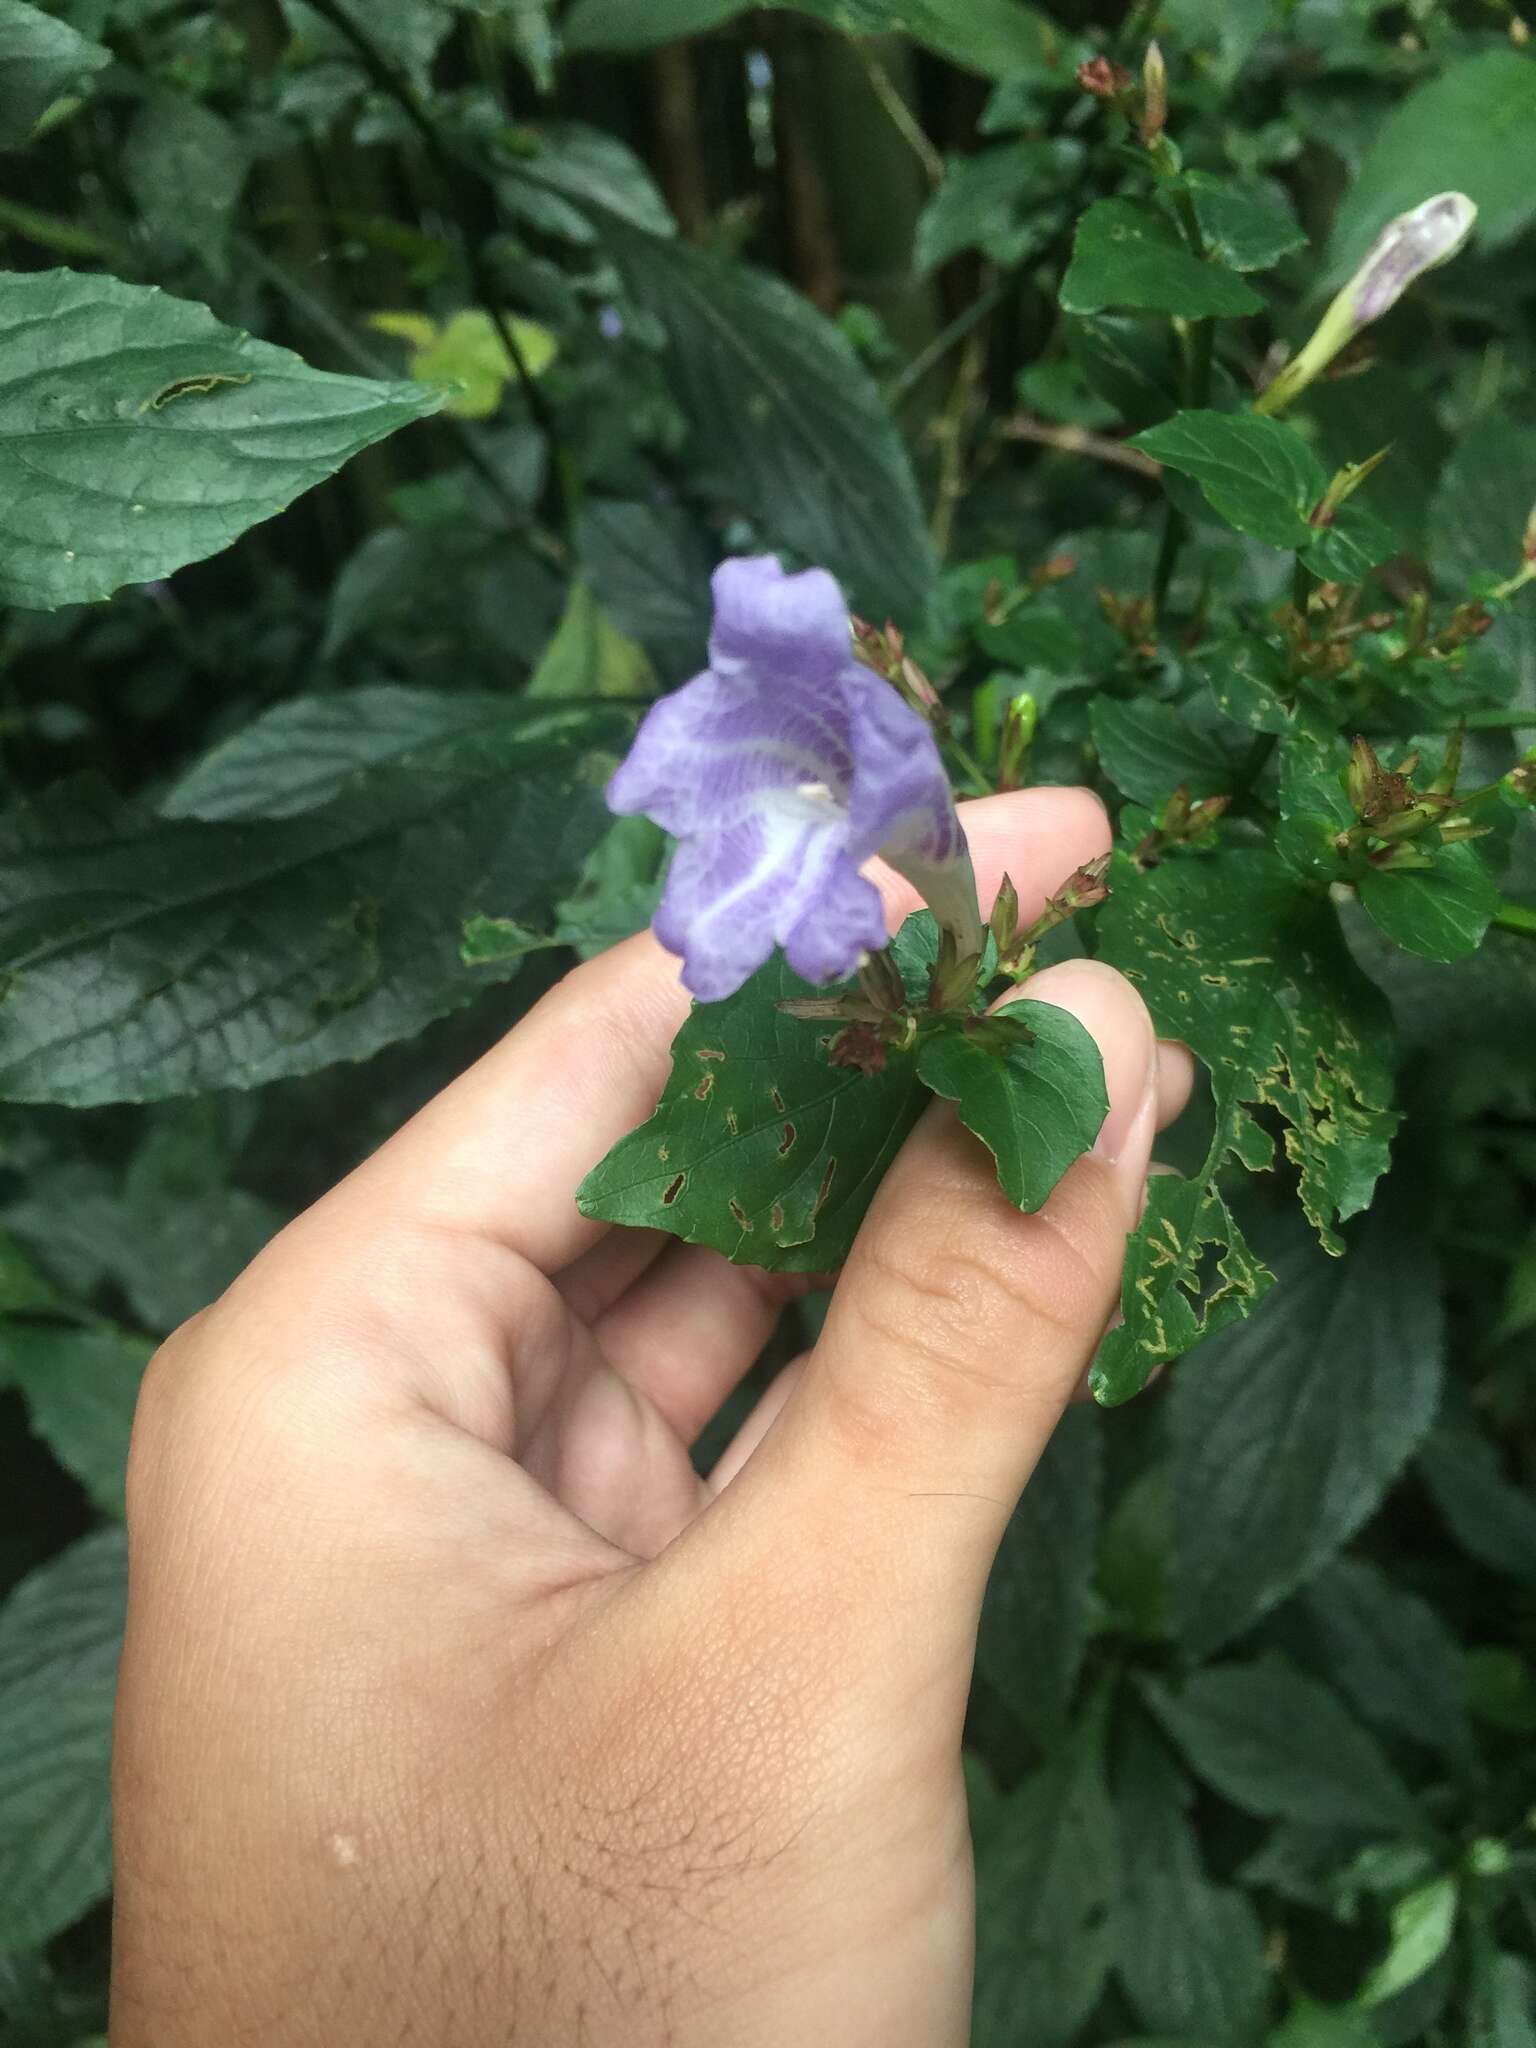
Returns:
point(502, 1151)
point(956, 1337)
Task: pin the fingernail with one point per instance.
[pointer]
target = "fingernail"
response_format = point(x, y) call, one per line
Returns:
point(1125, 1137)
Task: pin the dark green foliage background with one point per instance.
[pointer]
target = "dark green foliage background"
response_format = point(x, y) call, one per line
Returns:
point(304, 816)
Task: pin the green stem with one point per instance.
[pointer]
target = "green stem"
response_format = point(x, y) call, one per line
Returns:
point(325, 321)
point(903, 386)
point(970, 765)
point(1516, 917)
point(1526, 573)
point(398, 87)
point(1175, 533)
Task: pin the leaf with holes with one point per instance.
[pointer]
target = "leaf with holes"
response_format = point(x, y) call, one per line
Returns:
point(758, 1146)
point(1239, 960)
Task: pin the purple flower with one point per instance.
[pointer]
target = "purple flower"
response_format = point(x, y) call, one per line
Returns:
point(780, 770)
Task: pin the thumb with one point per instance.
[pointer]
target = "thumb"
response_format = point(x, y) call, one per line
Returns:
point(957, 1335)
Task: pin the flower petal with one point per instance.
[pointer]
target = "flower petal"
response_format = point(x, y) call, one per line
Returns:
point(846, 921)
point(777, 625)
point(706, 753)
point(899, 800)
point(733, 893)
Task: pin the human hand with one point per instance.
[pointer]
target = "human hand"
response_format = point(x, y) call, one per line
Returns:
point(455, 1709)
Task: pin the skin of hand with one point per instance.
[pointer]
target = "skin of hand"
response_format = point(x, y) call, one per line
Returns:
point(455, 1710)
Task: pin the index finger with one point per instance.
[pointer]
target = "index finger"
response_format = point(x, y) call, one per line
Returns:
point(501, 1152)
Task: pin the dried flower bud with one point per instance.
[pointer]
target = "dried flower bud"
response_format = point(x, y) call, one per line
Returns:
point(1154, 95)
point(1054, 569)
point(1104, 80)
point(1417, 241)
point(1528, 539)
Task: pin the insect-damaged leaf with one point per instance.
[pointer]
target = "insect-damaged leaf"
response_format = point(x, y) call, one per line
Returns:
point(1248, 969)
point(138, 433)
point(758, 1146)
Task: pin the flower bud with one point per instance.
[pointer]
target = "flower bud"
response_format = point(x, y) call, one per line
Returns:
point(1019, 724)
point(1154, 95)
point(1005, 915)
point(1417, 241)
point(1406, 247)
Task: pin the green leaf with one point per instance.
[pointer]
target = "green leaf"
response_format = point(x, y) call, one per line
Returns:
point(1476, 520)
point(1129, 253)
point(60, 1634)
point(41, 59)
point(758, 1146)
point(1258, 474)
point(1440, 913)
point(1390, 1652)
point(303, 752)
point(1500, 1689)
point(186, 168)
point(785, 423)
point(1148, 750)
point(1355, 543)
point(170, 1232)
point(1033, 636)
point(998, 201)
point(568, 179)
point(649, 570)
point(470, 354)
point(1034, 1623)
point(994, 37)
point(1134, 1556)
point(1280, 1746)
point(1237, 959)
point(1189, 1952)
point(1036, 1103)
point(1245, 223)
point(1287, 1433)
point(1422, 1926)
point(1472, 130)
point(1491, 1518)
point(1045, 1883)
point(137, 433)
point(589, 656)
point(628, 25)
point(1324, 2026)
point(1504, 2003)
point(80, 1387)
point(1129, 362)
point(152, 957)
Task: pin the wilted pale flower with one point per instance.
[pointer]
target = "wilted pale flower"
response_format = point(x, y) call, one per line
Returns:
point(780, 769)
point(1429, 235)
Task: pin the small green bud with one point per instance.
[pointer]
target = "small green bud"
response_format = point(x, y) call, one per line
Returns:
point(1020, 722)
